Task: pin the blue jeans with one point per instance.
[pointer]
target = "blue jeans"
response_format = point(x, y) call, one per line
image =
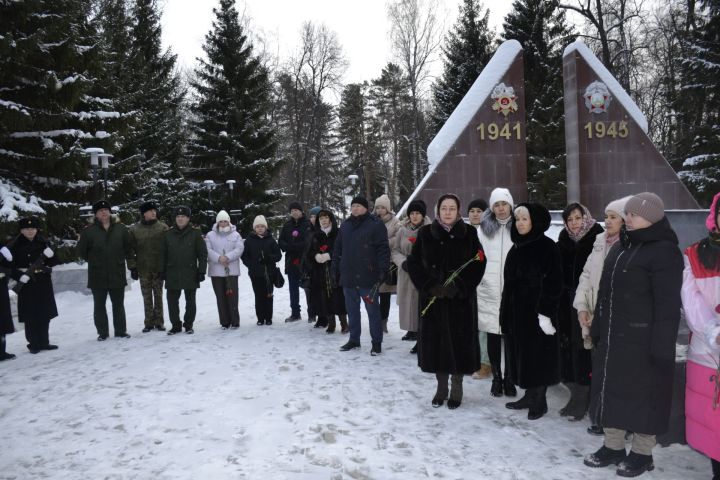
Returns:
point(294, 287)
point(353, 297)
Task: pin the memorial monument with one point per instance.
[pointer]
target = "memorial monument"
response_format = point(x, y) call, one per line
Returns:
point(609, 154)
point(482, 144)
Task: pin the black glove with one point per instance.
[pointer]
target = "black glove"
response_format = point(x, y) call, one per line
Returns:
point(437, 291)
point(404, 265)
point(134, 274)
point(450, 291)
point(200, 277)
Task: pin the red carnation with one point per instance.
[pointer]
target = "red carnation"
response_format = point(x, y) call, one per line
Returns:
point(717, 308)
point(323, 248)
point(296, 261)
point(412, 239)
point(481, 255)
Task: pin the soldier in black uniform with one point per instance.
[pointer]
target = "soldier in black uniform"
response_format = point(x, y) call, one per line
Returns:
point(32, 264)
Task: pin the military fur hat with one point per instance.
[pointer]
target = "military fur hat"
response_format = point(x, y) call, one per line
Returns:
point(100, 205)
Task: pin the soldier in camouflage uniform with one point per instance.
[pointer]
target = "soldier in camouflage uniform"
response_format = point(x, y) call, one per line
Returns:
point(147, 238)
point(184, 265)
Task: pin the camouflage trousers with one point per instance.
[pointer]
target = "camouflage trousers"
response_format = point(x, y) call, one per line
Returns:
point(151, 286)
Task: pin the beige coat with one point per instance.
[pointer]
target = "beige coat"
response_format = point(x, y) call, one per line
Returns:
point(589, 283)
point(407, 295)
point(392, 224)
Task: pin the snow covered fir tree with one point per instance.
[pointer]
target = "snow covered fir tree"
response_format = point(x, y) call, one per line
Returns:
point(231, 136)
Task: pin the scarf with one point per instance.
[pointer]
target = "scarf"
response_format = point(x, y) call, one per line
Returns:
point(611, 239)
point(587, 223)
point(326, 230)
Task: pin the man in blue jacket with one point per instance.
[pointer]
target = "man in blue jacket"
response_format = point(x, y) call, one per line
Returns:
point(363, 238)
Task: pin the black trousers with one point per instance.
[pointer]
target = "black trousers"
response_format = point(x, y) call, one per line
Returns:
point(36, 332)
point(227, 302)
point(173, 300)
point(494, 346)
point(117, 299)
point(385, 305)
point(263, 298)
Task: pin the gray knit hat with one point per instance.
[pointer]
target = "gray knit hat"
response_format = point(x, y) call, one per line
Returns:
point(647, 205)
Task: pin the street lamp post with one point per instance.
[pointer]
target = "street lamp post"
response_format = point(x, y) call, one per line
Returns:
point(94, 153)
point(105, 165)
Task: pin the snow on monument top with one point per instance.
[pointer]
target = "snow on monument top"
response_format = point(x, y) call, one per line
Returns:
point(472, 101)
point(607, 78)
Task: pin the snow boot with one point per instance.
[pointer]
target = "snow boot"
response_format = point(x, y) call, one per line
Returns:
point(49, 346)
point(456, 391)
point(409, 336)
point(509, 387)
point(376, 349)
point(442, 390)
point(261, 321)
point(269, 321)
point(174, 330)
point(496, 389)
point(523, 403)
point(343, 324)
point(331, 325)
point(292, 318)
point(485, 371)
point(603, 457)
point(635, 464)
point(147, 329)
point(102, 338)
point(413, 350)
point(321, 322)
point(580, 401)
point(122, 335)
point(539, 405)
point(33, 349)
point(160, 328)
point(350, 345)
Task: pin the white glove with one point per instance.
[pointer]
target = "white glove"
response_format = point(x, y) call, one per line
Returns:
point(24, 279)
point(5, 252)
point(322, 257)
point(546, 325)
point(48, 253)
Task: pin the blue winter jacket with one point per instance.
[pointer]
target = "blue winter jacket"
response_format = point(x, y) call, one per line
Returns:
point(362, 254)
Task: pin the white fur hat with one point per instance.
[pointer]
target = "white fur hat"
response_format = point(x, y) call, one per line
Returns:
point(260, 220)
point(618, 206)
point(222, 215)
point(501, 195)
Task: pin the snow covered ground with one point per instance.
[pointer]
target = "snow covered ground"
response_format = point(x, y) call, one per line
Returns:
point(278, 402)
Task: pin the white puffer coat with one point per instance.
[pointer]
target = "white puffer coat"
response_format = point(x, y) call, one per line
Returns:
point(495, 240)
point(231, 243)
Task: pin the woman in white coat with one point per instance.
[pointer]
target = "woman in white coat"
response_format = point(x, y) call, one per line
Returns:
point(225, 247)
point(494, 235)
point(587, 290)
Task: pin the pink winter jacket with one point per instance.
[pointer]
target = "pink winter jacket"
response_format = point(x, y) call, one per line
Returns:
point(701, 302)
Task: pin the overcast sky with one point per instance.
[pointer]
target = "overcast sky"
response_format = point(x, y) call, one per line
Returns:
point(361, 26)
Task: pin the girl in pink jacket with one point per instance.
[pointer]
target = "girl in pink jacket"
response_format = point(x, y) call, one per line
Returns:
point(701, 301)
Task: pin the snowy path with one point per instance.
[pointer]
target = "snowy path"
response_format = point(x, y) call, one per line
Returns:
point(278, 402)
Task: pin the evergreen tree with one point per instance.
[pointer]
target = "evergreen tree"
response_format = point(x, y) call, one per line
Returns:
point(231, 134)
point(392, 106)
point(697, 104)
point(468, 48)
point(541, 29)
point(50, 63)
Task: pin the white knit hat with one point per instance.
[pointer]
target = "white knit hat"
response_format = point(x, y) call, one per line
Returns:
point(501, 195)
point(222, 215)
point(383, 201)
point(618, 206)
point(260, 220)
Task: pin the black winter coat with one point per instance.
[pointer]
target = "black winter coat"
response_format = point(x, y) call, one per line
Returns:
point(6, 320)
point(293, 241)
point(533, 284)
point(575, 361)
point(36, 299)
point(326, 295)
point(362, 252)
point(448, 334)
point(635, 328)
point(260, 255)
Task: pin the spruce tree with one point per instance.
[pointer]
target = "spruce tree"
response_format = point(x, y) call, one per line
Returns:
point(697, 105)
point(50, 66)
point(467, 49)
point(541, 29)
point(231, 134)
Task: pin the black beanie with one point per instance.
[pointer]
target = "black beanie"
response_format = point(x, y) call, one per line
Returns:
point(361, 201)
point(295, 206)
point(417, 206)
point(478, 203)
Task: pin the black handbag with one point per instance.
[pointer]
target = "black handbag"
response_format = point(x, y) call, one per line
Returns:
point(391, 277)
point(278, 279)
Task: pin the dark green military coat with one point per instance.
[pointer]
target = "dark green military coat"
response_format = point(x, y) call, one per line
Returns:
point(148, 240)
point(185, 255)
point(106, 252)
